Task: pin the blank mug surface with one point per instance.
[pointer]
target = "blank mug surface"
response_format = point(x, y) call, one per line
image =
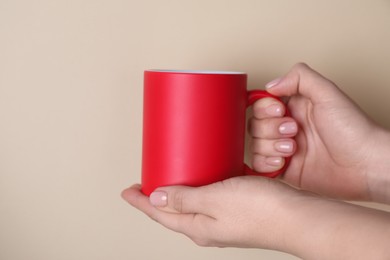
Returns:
point(194, 127)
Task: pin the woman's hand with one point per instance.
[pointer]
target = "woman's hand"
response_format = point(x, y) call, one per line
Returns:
point(257, 212)
point(341, 153)
point(240, 212)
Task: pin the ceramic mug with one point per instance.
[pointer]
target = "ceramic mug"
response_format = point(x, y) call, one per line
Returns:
point(194, 127)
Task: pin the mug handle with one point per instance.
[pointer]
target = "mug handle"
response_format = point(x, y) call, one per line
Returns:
point(252, 97)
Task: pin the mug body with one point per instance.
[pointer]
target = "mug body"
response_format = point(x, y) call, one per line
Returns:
point(193, 127)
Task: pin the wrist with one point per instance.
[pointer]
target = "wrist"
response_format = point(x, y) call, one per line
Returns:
point(378, 171)
point(300, 224)
point(290, 225)
point(329, 229)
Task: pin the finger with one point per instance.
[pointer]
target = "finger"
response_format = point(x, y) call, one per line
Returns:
point(303, 80)
point(137, 199)
point(192, 225)
point(267, 164)
point(273, 128)
point(183, 199)
point(274, 147)
point(267, 108)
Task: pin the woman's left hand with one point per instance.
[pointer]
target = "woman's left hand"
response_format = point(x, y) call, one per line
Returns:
point(238, 212)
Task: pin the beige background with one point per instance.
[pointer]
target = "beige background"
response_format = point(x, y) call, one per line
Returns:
point(71, 104)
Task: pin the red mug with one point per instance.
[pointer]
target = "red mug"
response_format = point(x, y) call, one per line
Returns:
point(194, 127)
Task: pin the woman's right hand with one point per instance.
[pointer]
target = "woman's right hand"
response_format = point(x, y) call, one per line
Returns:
point(341, 152)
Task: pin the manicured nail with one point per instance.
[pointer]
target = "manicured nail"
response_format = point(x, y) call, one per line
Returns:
point(274, 161)
point(158, 198)
point(273, 83)
point(284, 146)
point(274, 110)
point(288, 128)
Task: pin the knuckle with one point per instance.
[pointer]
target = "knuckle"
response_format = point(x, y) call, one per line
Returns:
point(258, 162)
point(260, 104)
point(178, 201)
point(300, 67)
point(250, 124)
point(266, 128)
point(257, 128)
point(260, 107)
point(257, 147)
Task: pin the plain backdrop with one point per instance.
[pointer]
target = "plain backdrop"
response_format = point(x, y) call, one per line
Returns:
point(71, 104)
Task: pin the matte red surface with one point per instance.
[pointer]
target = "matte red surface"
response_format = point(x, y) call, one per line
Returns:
point(194, 128)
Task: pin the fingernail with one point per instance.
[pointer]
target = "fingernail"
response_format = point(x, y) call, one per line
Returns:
point(158, 198)
point(274, 161)
point(284, 146)
point(274, 110)
point(288, 128)
point(273, 83)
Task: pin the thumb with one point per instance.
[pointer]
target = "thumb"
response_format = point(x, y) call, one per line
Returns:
point(180, 199)
point(303, 80)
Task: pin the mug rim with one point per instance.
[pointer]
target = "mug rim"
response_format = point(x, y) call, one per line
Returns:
point(218, 72)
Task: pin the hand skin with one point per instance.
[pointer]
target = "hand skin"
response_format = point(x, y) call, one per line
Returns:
point(341, 152)
point(337, 152)
point(256, 212)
